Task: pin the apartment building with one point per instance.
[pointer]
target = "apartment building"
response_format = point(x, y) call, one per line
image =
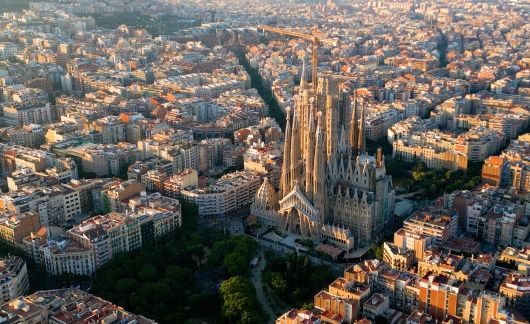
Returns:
point(441, 295)
point(434, 158)
point(31, 135)
point(107, 159)
point(62, 255)
point(442, 150)
point(265, 161)
point(439, 224)
point(374, 290)
point(182, 155)
point(378, 124)
point(479, 143)
point(411, 240)
point(111, 128)
point(520, 258)
point(54, 205)
point(404, 129)
point(226, 195)
point(13, 278)
point(20, 115)
point(516, 290)
point(496, 171)
point(136, 170)
point(511, 168)
point(7, 50)
point(186, 179)
point(14, 228)
point(64, 305)
point(96, 240)
point(398, 257)
point(114, 195)
point(154, 180)
point(25, 177)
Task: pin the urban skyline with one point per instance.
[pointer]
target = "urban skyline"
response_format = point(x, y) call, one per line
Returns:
point(298, 161)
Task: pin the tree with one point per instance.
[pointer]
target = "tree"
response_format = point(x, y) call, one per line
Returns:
point(148, 273)
point(234, 253)
point(178, 273)
point(294, 279)
point(196, 251)
point(190, 214)
point(125, 286)
point(308, 306)
point(278, 283)
point(219, 251)
point(378, 251)
point(239, 301)
point(236, 264)
point(123, 173)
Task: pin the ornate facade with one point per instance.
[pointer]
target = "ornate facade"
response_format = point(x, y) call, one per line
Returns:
point(330, 188)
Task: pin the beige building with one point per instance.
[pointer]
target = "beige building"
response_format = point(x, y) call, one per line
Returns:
point(113, 198)
point(111, 128)
point(53, 205)
point(31, 135)
point(398, 257)
point(186, 179)
point(97, 239)
point(439, 224)
point(154, 180)
point(50, 307)
point(433, 157)
point(60, 132)
point(516, 289)
point(520, 258)
point(412, 241)
point(107, 159)
point(14, 228)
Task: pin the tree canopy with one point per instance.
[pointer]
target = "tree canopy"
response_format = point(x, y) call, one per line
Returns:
point(433, 182)
point(239, 301)
point(171, 280)
point(294, 279)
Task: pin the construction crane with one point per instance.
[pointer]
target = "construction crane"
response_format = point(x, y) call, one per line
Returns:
point(313, 38)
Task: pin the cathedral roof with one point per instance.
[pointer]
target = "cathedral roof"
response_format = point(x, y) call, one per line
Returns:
point(266, 195)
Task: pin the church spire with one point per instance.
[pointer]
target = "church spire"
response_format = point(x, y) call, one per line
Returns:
point(379, 157)
point(295, 148)
point(285, 184)
point(354, 129)
point(310, 152)
point(303, 80)
point(319, 169)
point(361, 146)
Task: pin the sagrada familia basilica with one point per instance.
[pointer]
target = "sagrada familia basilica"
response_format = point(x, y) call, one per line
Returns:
point(330, 189)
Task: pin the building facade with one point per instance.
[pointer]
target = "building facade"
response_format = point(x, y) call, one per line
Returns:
point(14, 278)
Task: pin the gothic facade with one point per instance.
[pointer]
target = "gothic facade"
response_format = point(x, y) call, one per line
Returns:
point(330, 188)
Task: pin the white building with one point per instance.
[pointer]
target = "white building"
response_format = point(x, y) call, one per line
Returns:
point(17, 115)
point(7, 50)
point(14, 274)
point(403, 130)
point(228, 194)
point(62, 255)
